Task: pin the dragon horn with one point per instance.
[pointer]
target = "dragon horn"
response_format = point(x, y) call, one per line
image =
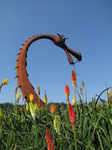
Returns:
point(59, 35)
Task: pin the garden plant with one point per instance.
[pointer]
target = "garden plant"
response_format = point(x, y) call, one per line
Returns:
point(60, 126)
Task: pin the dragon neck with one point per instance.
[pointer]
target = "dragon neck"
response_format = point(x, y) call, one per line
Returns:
point(21, 74)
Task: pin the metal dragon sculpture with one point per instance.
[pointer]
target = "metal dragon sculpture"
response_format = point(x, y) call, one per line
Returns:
point(22, 77)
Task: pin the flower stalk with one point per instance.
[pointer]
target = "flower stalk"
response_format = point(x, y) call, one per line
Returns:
point(75, 140)
point(67, 92)
point(45, 98)
point(38, 91)
point(81, 93)
point(49, 140)
point(4, 82)
point(109, 95)
point(73, 79)
point(72, 118)
point(18, 97)
point(53, 109)
point(57, 124)
point(31, 106)
point(84, 91)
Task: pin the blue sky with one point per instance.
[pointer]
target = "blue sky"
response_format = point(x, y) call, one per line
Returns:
point(87, 24)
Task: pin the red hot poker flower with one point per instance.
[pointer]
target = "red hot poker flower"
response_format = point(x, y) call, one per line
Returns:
point(49, 140)
point(73, 77)
point(53, 109)
point(72, 115)
point(67, 90)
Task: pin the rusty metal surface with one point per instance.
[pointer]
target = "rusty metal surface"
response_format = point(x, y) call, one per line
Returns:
point(22, 77)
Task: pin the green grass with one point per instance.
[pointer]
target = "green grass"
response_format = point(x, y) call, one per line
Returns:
point(93, 128)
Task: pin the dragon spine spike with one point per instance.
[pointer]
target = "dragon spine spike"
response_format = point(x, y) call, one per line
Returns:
point(21, 63)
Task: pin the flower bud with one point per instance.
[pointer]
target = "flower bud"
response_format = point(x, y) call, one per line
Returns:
point(5, 81)
point(31, 97)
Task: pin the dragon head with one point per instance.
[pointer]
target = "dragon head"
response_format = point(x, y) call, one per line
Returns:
point(60, 41)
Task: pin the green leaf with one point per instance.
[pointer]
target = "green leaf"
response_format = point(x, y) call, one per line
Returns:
point(110, 121)
point(99, 140)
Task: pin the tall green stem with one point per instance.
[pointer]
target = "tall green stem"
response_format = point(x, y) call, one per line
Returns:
point(75, 140)
point(75, 99)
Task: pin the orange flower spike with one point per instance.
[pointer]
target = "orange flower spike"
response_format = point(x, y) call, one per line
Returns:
point(67, 92)
point(53, 109)
point(49, 140)
point(72, 115)
point(73, 78)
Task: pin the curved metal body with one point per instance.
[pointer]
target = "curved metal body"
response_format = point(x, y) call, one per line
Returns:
point(21, 74)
